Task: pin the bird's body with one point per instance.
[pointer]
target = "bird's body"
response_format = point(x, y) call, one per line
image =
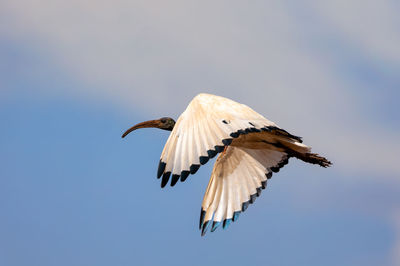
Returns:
point(251, 147)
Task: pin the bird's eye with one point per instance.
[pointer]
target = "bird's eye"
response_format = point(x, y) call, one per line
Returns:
point(163, 120)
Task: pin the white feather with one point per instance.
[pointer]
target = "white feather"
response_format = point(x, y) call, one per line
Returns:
point(236, 176)
point(253, 146)
point(200, 128)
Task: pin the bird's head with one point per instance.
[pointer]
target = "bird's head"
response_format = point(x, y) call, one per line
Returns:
point(165, 123)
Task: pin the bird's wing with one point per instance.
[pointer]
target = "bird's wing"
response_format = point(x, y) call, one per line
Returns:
point(207, 125)
point(238, 177)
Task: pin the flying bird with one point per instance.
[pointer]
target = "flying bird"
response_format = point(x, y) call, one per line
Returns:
point(250, 149)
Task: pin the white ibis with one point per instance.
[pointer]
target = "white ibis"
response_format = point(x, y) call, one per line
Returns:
point(251, 148)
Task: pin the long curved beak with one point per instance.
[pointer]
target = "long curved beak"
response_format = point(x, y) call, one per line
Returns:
point(146, 124)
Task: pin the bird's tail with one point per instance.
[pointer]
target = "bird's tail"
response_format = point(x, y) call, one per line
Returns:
point(303, 152)
point(313, 158)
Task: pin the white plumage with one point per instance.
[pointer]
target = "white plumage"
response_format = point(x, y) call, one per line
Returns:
point(200, 130)
point(251, 147)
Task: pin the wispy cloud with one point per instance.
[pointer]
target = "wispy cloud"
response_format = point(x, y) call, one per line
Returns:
point(370, 26)
point(284, 60)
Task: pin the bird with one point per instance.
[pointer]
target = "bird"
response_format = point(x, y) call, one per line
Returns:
point(251, 148)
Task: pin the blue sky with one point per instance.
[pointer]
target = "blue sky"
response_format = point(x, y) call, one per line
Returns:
point(74, 76)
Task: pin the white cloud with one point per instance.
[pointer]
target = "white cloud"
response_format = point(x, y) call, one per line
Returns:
point(156, 55)
point(371, 26)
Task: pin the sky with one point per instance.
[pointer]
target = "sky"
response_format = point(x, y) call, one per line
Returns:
point(75, 74)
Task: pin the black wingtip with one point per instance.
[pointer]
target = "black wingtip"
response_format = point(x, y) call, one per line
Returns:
point(161, 168)
point(234, 135)
point(211, 153)
point(219, 148)
point(264, 184)
point(242, 132)
point(184, 175)
point(226, 223)
point(215, 226)
point(275, 169)
point(227, 142)
point(245, 205)
point(203, 160)
point(202, 215)
point(174, 179)
point(165, 179)
point(204, 228)
point(253, 198)
point(235, 216)
point(259, 190)
point(194, 168)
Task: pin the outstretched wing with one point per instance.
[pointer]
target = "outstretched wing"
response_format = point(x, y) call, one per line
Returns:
point(207, 125)
point(238, 177)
